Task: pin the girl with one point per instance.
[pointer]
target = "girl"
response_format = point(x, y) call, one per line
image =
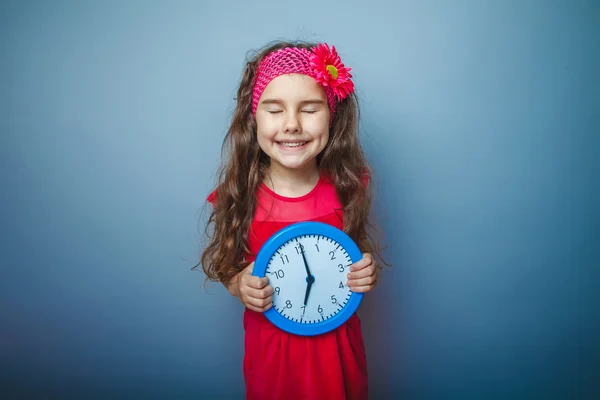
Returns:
point(294, 155)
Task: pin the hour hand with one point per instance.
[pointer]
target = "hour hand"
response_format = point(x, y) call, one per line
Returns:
point(310, 280)
point(306, 295)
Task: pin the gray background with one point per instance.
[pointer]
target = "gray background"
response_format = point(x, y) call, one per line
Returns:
point(479, 117)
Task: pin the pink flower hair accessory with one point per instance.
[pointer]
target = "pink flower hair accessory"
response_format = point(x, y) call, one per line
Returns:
point(321, 63)
point(329, 71)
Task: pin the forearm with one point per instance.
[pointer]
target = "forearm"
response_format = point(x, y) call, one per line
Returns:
point(232, 285)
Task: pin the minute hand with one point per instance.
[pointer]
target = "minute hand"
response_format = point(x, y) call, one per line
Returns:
point(305, 264)
point(310, 279)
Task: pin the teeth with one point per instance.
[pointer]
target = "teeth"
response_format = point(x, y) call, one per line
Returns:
point(284, 144)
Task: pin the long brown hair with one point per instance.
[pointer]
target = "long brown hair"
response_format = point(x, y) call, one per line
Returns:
point(244, 167)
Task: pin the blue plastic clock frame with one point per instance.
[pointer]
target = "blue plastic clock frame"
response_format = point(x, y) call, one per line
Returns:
point(301, 229)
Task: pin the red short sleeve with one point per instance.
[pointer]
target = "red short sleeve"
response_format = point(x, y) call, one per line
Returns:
point(212, 198)
point(366, 178)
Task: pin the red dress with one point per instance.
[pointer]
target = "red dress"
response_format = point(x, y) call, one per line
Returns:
point(280, 365)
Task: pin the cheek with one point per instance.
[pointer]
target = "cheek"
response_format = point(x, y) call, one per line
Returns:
point(265, 130)
point(320, 131)
point(324, 141)
point(263, 141)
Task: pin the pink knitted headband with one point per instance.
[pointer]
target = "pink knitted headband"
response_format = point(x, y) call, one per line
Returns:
point(320, 63)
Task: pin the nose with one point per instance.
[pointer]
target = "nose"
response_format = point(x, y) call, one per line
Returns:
point(292, 123)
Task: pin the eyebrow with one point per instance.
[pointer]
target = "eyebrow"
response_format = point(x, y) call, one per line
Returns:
point(303, 102)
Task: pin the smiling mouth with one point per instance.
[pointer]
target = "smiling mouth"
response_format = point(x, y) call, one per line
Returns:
point(291, 145)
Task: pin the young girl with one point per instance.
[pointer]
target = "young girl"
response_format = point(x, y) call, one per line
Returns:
point(294, 155)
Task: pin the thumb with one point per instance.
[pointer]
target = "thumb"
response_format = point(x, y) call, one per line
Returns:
point(258, 282)
point(262, 282)
point(248, 269)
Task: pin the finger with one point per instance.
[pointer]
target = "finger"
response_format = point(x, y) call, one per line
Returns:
point(364, 284)
point(256, 282)
point(362, 289)
point(363, 263)
point(368, 281)
point(260, 294)
point(359, 265)
point(249, 269)
point(263, 304)
point(363, 273)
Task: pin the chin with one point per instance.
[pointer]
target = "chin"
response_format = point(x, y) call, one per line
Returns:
point(293, 165)
point(288, 163)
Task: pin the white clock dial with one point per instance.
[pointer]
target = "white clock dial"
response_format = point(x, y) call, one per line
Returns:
point(328, 263)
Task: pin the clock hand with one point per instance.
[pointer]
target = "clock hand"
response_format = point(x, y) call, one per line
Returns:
point(310, 279)
point(305, 264)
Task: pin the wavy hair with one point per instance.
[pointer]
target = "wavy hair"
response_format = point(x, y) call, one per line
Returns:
point(244, 166)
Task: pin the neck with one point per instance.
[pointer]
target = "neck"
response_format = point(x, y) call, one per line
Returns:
point(292, 182)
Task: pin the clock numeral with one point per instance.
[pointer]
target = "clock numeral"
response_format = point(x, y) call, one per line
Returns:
point(277, 290)
point(320, 310)
point(341, 267)
point(299, 248)
point(279, 274)
point(333, 299)
point(332, 254)
point(288, 304)
point(283, 261)
point(341, 285)
point(317, 246)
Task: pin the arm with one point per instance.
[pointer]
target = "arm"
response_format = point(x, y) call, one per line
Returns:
point(232, 285)
point(253, 292)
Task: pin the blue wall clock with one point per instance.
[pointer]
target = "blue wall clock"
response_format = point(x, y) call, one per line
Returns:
point(307, 264)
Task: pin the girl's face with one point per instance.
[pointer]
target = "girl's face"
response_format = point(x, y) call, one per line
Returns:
point(292, 121)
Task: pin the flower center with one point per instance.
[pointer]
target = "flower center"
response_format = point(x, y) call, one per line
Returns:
point(332, 71)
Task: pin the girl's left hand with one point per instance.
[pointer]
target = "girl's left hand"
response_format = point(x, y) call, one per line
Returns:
point(363, 275)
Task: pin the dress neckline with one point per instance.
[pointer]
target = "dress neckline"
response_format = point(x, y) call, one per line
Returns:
point(293, 199)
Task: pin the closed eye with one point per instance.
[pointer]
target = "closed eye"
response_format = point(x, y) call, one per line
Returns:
point(310, 111)
point(274, 111)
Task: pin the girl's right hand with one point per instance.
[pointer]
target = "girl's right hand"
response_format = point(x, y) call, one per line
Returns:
point(255, 293)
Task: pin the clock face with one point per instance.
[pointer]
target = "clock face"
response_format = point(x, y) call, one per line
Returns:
point(308, 274)
point(307, 264)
